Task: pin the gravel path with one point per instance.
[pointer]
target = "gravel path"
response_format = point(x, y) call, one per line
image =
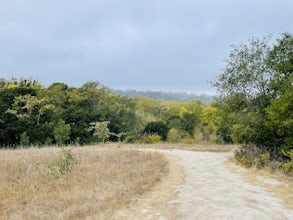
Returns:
point(211, 191)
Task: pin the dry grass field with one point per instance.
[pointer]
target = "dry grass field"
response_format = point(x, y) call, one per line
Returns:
point(103, 180)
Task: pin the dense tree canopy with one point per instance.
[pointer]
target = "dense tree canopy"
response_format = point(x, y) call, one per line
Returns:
point(256, 94)
point(60, 114)
point(31, 114)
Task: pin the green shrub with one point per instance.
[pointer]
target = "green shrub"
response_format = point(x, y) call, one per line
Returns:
point(132, 138)
point(263, 160)
point(24, 139)
point(151, 139)
point(251, 155)
point(288, 167)
point(156, 128)
point(174, 136)
point(64, 164)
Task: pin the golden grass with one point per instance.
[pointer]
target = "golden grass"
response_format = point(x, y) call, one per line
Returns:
point(103, 181)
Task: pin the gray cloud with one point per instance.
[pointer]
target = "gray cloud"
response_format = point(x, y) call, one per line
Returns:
point(155, 44)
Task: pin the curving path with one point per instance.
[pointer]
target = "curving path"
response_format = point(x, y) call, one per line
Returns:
point(212, 191)
point(205, 189)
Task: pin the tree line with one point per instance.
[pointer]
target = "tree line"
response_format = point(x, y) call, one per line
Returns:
point(32, 114)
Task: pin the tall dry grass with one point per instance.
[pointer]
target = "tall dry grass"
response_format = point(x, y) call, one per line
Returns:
point(104, 180)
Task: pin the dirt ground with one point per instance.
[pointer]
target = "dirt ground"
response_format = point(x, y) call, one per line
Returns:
point(201, 185)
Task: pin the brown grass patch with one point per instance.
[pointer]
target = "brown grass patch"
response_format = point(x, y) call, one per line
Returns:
point(103, 181)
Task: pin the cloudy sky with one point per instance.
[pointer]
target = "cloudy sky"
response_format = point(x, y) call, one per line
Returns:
point(167, 45)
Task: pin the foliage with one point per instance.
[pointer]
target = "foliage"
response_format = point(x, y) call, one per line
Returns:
point(133, 138)
point(255, 103)
point(280, 117)
point(24, 140)
point(174, 136)
point(151, 139)
point(62, 132)
point(101, 130)
point(26, 106)
point(64, 164)
point(251, 155)
point(262, 160)
point(224, 135)
point(158, 128)
point(288, 166)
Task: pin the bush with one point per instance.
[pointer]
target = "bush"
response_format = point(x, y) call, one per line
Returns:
point(24, 140)
point(158, 128)
point(251, 155)
point(288, 167)
point(224, 135)
point(151, 139)
point(133, 138)
point(174, 136)
point(262, 160)
point(64, 164)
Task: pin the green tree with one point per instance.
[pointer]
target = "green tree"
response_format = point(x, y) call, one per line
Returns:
point(62, 132)
point(101, 130)
point(244, 87)
point(256, 94)
point(11, 128)
point(280, 117)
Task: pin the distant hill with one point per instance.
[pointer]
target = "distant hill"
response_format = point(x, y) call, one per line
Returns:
point(160, 95)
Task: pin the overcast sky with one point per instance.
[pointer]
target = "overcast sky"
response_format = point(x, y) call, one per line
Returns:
point(171, 45)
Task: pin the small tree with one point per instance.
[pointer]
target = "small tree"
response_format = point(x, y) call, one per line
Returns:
point(24, 139)
point(62, 132)
point(64, 164)
point(101, 130)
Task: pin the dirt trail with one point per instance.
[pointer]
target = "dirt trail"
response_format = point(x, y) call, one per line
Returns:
point(212, 191)
point(208, 190)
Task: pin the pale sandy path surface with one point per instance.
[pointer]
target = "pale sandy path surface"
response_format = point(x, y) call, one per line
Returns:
point(212, 191)
point(205, 188)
